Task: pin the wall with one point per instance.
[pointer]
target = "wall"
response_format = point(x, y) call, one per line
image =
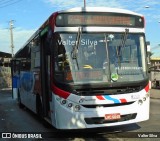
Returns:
point(5, 77)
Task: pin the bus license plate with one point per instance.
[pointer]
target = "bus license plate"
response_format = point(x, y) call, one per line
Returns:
point(113, 116)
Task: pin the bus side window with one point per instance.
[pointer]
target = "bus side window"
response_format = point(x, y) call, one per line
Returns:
point(25, 58)
point(35, 53)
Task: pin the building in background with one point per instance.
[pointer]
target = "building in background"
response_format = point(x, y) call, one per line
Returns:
point(5, 70)
point(153, 60)
point(155, 71)
point(155, 63)
point(149, 54)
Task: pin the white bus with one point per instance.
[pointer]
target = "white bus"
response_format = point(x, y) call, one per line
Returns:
point(85, 68)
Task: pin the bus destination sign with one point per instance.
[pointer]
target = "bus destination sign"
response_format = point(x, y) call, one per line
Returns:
point(99, 19)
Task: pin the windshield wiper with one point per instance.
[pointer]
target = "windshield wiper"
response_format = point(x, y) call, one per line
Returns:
point(124, 38)
point(74, 51)
point(108, 69)
point(123, 42)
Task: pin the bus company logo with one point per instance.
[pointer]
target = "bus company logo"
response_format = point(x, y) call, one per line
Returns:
point(83, 42)
point(135, 96)
point(83, 99)
point(90, 99)
point(6, 135)
point(27, 81)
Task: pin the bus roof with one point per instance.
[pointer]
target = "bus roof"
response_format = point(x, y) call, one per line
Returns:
point(100, 9)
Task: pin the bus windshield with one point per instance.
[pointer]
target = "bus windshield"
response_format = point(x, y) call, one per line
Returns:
point(99, 57)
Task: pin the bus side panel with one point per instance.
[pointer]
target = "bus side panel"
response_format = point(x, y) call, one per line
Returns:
point(53, 111)
point(28, 98)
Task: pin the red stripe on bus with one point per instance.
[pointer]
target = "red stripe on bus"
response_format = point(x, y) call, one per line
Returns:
point(123, 100)
point(52, 20)
point(100, 97)
point(147, 88)
point(60, 92)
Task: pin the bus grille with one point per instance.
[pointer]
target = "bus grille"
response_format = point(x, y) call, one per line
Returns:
point(101, 120)
point(107, 105)
point(108, 91)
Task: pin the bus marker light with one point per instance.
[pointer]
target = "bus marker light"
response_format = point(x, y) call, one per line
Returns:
point(77, 108)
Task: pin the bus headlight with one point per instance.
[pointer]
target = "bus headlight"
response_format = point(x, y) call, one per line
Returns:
point(77, 108)
point(70, 105)
point(144, 98)
point(140, 102)
point(63, 102)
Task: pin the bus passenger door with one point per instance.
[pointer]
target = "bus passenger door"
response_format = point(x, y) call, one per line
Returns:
point(45, 75)
point(15, 72)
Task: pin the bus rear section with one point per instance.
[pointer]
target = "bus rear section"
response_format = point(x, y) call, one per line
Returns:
point(87, 69)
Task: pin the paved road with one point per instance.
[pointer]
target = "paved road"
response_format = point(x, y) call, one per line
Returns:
point(13, 119)
point(155, 94)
